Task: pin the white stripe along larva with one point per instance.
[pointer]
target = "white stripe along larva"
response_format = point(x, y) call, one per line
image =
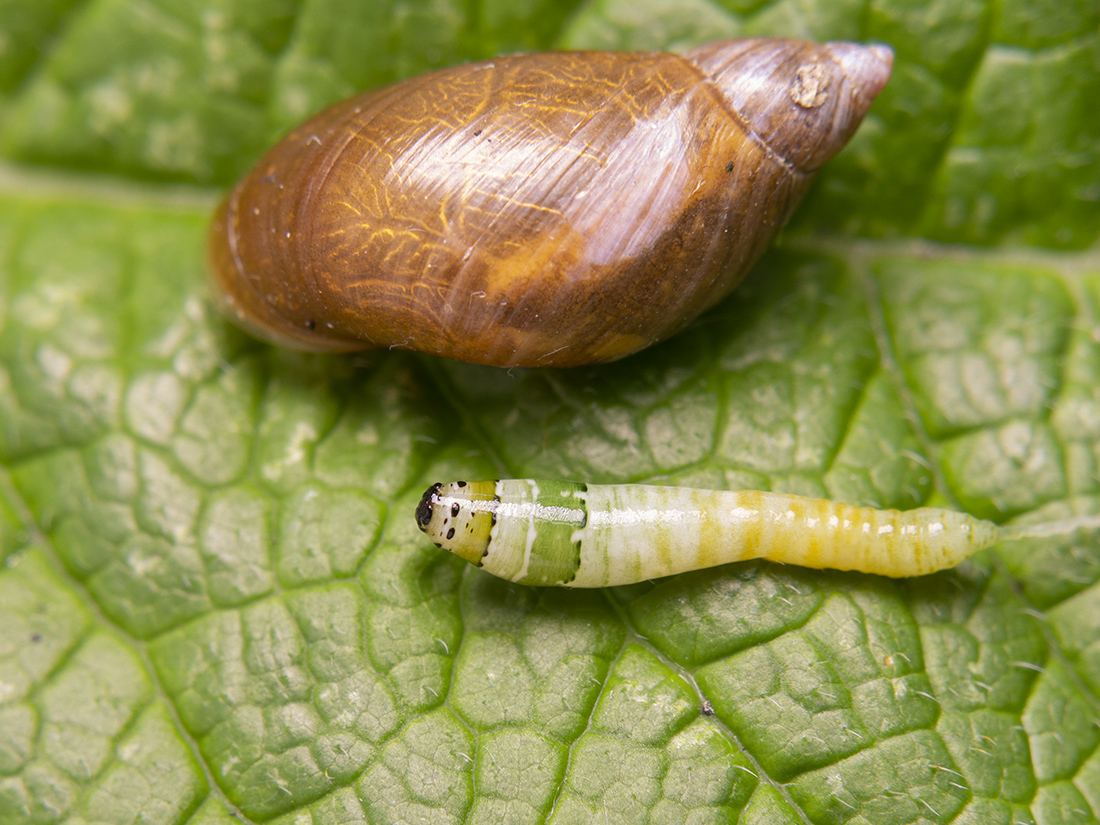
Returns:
point(576, 535)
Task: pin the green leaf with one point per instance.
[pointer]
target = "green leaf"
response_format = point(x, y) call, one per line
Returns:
point(215, 605)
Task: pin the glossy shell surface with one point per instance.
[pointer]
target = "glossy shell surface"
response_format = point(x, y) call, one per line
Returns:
point(548, 209)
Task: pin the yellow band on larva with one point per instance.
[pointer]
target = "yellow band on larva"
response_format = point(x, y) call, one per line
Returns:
point(577, 535)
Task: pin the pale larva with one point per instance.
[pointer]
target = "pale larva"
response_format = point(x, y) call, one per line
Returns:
point(564, 533)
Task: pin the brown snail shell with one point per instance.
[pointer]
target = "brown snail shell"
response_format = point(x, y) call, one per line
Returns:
point(548, 209)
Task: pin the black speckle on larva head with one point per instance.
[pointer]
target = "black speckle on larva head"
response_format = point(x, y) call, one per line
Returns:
point(424, 509)
point(458, 516)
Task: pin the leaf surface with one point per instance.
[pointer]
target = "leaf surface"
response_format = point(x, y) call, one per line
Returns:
point(216, 607)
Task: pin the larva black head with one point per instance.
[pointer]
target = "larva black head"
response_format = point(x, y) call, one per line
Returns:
point(424, 508)
point(459, 517)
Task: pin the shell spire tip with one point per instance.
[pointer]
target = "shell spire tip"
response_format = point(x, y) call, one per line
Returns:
point(868, 67)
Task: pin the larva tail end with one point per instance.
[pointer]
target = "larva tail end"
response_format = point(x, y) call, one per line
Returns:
point(459, 517)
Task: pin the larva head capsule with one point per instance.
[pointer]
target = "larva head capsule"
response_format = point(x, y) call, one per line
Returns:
point(459, 517)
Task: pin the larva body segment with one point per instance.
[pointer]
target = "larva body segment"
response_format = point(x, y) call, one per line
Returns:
point(576, 535)
point(536, 210)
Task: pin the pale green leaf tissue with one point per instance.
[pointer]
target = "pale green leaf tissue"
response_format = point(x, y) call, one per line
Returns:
point(215, 605)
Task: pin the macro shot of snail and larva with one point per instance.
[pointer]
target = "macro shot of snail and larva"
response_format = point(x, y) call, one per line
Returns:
point(568, 411)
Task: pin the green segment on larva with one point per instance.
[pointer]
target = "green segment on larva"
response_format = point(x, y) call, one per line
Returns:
point(585, 535)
